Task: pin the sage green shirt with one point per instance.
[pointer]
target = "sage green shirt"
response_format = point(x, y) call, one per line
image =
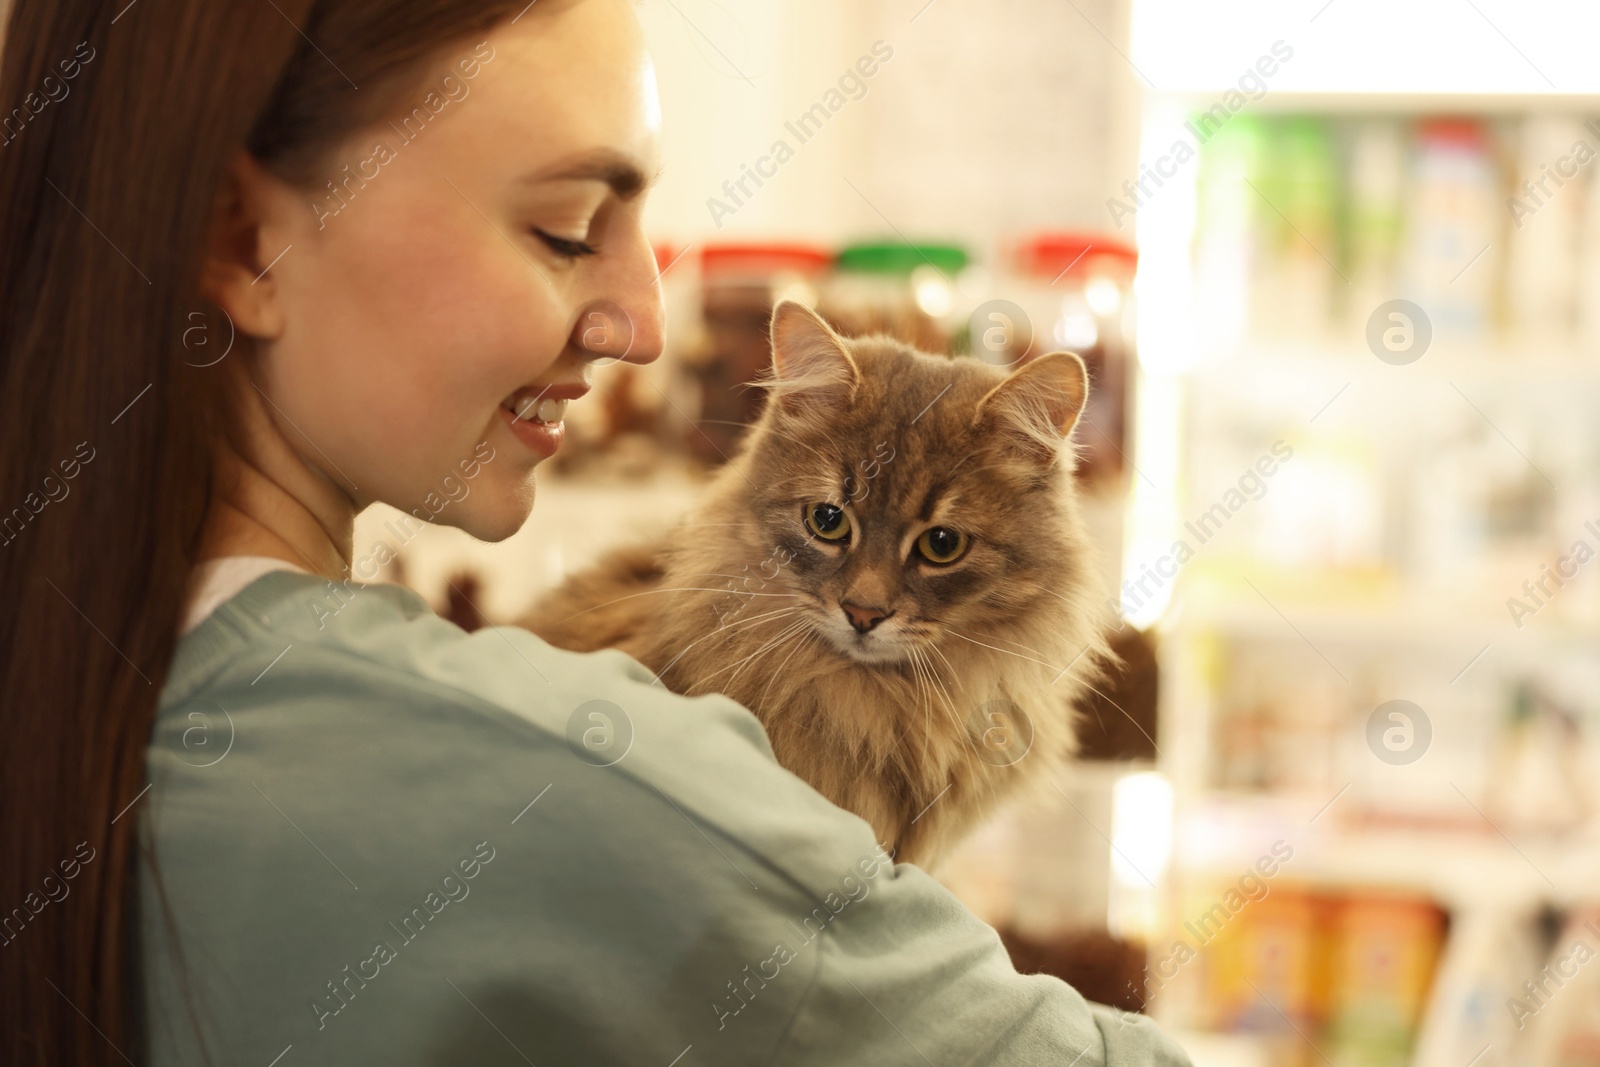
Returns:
point(383, 840)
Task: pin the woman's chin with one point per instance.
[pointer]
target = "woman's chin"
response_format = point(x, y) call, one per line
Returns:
point(492, 520)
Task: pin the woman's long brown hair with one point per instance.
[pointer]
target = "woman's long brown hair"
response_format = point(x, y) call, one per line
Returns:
point(119, 119)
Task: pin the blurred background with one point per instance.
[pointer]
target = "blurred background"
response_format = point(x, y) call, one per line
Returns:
point(1335, 266)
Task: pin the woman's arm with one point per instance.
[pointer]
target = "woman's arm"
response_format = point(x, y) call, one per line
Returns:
point(416, 852)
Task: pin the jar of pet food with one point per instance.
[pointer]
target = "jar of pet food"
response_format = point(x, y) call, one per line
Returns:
point(914, 292)
point(1071, 291)
point(739, 283)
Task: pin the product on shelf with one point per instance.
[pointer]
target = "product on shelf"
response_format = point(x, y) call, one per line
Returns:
point(1492, 949)
point(1557, 1009)
point(1546, 210)
point(1587, 296)
point(1300, 186)
point(1230, 253)
point(1374, 215)
point(909, 291)
point(1384, 949)
point(1536, 781)
point(1264, 966)
point(1075, 291)
point(739, 285)
point(1307, 224)
point(1335, 977)
point(1450, 260)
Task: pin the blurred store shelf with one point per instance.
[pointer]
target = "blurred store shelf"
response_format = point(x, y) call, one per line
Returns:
point(1461, 861)
point(1416, 552)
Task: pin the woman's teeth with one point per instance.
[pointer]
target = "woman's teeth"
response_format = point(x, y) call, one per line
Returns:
point(542, 411)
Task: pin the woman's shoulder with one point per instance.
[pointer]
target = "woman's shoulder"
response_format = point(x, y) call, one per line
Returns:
point(353, 799)
point(294, 666)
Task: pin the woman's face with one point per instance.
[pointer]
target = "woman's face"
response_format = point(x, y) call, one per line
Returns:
point(450, 275)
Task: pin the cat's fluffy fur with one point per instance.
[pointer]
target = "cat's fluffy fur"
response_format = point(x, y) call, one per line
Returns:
point(964, 693)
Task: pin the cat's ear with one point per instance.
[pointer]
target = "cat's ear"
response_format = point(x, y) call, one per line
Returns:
point(1039, 404)
point(812, 369)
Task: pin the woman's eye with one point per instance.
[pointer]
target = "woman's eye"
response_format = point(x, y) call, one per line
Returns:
point(941, 544)
point(566, 246)
point(827, 521)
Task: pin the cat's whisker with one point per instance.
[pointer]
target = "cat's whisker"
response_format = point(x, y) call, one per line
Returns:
point(947, 705)
point(1074, 603)
point(1061, 596)
point(935, 686)
point(736, 577)
point(953, 715)
point(1125, 715)
point(927, 724)
point(1007, 640)
point(792, 630)
point(674, 589)
point(933, 671)
point(927, 706)
point(725, 626)
point(936, 650)
point(719, 630)
point(788, 630)
point(1030, 648)
point(809, 639)
point(1006, 598)
point(916, 677)
point(798, 645)
point(1007, 651)
point(774, 613)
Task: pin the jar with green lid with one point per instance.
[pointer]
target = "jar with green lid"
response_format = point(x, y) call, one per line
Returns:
point(915, 292)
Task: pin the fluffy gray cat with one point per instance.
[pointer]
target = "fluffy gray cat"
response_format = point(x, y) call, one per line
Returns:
point(890, 573)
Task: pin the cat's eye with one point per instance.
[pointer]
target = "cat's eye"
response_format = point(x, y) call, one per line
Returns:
point(827, 521)
point(941, 544)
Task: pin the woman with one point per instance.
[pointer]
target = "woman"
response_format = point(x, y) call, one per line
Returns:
point(267, 263)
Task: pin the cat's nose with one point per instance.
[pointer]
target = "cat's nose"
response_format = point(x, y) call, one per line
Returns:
point(863, 619)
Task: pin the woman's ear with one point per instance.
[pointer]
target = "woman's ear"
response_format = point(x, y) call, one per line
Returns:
point(233, 275)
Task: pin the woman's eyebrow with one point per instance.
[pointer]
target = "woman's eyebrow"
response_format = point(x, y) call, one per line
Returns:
point(619, 171)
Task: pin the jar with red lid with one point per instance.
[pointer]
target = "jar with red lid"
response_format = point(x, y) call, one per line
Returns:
point(739, 284)
point(1071, 291)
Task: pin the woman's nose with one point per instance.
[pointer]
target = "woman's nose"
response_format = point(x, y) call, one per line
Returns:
point(626, 324)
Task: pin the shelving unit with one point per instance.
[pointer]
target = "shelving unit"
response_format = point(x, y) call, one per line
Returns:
point(1255, 630)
